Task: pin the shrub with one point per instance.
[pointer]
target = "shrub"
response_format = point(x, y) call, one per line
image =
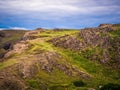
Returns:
point(111, 86)
point(79, 83)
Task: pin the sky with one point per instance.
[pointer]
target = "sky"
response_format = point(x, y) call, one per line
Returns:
point(76, 14)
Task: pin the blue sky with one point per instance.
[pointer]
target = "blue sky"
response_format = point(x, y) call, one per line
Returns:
point(31, 14)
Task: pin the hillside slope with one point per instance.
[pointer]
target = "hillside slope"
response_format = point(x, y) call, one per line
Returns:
point(8, 38)
point(59, 59)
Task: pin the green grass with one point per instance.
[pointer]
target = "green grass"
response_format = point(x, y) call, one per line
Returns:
point(12, 36)
point(115, 33)
point(54, 81)
point(101, 74)
point(7, 63)
point(57, 80)
point(51, 33)
point(38, 47)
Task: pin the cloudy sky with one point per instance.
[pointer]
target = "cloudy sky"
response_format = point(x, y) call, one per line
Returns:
point(30, 14)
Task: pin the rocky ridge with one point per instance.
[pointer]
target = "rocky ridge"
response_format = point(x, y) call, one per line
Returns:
point(93, 37)
point(28, 64)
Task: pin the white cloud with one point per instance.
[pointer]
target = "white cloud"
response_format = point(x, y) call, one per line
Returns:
point(2, 28)
point(49, 6)
point(14, 28)
point(59, 8)
point(18, 28)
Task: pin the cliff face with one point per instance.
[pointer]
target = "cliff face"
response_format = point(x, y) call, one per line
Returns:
point(55, 59)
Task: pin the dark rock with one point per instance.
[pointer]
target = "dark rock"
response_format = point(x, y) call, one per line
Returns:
point(7, 46)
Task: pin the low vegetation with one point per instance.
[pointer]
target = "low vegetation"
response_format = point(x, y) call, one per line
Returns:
point(69, 68)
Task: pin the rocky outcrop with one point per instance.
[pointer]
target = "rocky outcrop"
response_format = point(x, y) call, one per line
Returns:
point(109, 25)
point(32, 34)
point(92, 43)
point(47, 62)
point(68, 42)
point(27, 69)
point(17, 48)
point(92, 37)
point(101, 37)
point(7, 39)
point(86, 37)
point(96, 36)
point(105, 25)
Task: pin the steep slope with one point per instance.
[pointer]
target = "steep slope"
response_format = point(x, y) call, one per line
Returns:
point(63, 59)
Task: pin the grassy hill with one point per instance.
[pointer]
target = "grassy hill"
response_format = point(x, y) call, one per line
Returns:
point(63, 60)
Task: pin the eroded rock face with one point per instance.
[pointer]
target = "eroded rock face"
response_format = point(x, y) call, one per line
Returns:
point(8, 81)
point(92, 37)
point(109, 25)
point(69, 42)
point(96, 36)
point(18, 48)
point(89, 37)
point(9, 84)
point(27, 69)
point(47, 62)
point(7, 39)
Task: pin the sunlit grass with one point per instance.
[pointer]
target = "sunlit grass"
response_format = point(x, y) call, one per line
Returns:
point(7, 63)
point(51, 33)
